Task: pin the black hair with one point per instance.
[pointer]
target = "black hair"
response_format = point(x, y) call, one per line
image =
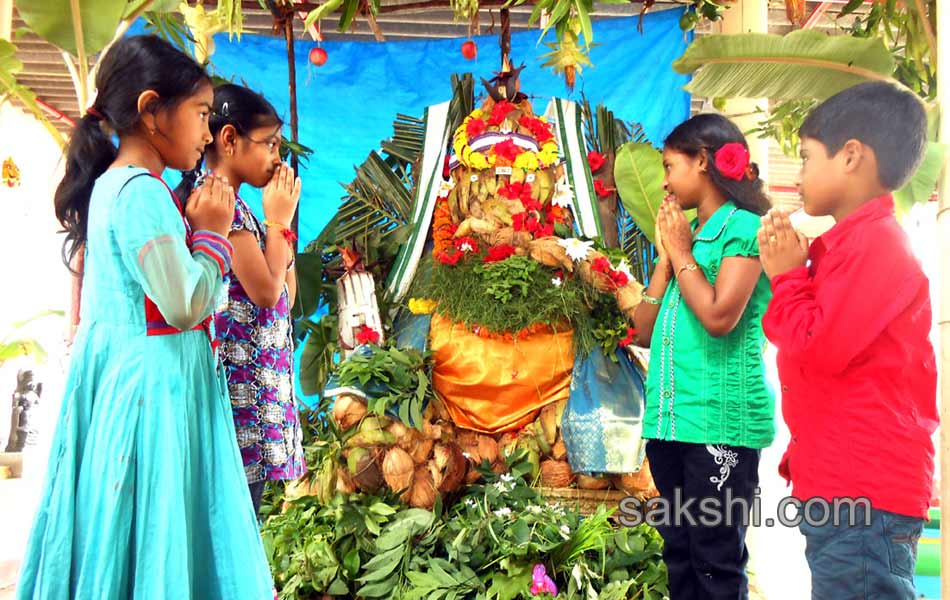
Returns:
point(234, 105)
point(889, 119)
point(133, 65)
point(707, 133)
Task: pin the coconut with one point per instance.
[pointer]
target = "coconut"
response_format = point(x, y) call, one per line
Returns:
point(422, 492)
point(421, 451)
point(430, 431)
point(398, 469)
point(344, 483)
point(399, 430)
point(636, 484)
point(628, 297)
point(586, 482)
point(436, 411)
point(348, 410)
point(451, 466)
point(559, 450)
point(550, 253)
point(364, 469)
point(487, 449)
point(556, 474)
point(549, 423)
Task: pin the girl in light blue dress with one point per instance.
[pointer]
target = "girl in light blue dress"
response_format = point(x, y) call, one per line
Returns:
point(145, 496)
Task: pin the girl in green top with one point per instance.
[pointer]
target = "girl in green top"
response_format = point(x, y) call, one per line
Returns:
point(709, 409)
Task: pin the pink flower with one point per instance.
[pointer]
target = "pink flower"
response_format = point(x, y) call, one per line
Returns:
point(541, 582)
point(732, 160)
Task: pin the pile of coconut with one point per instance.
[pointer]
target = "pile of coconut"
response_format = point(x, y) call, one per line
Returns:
point(439, 459)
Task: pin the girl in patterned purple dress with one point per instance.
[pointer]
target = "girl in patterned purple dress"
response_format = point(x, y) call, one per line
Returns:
point(253, 326)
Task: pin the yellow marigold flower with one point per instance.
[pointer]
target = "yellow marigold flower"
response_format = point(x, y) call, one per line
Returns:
point(477, 114)
point(527, 161)
point(421, 306)
point(477, 160)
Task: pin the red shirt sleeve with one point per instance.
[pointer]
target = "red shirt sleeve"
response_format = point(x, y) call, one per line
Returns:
point(826, 325)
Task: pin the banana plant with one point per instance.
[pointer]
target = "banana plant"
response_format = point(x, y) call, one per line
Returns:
point(10, 68)
point(803, 67)
point(84, 29)
point(13, 345)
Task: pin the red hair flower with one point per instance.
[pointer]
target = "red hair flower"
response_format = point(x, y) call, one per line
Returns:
point(498, 253)
point(732, 160)
point(367, 335)
point(596, 160)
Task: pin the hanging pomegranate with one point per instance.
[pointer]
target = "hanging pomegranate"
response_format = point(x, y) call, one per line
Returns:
point(318, 56)
point(469, 50)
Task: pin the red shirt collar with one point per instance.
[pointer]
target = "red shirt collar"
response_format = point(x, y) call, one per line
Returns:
point(878, 208)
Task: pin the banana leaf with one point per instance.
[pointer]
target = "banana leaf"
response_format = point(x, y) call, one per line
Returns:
point(10, 67)
point(802, 64)
point(922, 185)
point(52, 20)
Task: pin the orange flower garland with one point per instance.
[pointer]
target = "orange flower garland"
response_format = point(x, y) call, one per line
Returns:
point(443, 229)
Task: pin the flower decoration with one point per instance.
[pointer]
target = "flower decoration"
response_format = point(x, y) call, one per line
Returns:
point(499, 253)
point(602, 190)
point(422, 306)
point(563, 194)
point(541, 582)
point(451, 258)
point(595, 160)
point(499, 112)
point(367, 335)
point(575, 248)
point(631, 333)
point(507, 150)
point(732, 160)
point(475, 127)
point(466, 244)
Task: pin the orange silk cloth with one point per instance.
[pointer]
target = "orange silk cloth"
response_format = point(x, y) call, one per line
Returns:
point(495, 385)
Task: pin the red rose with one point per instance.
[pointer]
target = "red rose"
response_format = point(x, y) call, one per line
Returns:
point(475, 127)
point(498, 253)
point(499, 112)
point(367, 335)
point(462, 242)
point(450, 259)
point(732, 160)
point(596, 160)
point(602, 190)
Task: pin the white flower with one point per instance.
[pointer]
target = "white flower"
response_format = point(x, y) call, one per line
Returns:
point(566, 532)
point(624, 267)
point(576, 249)
point(471, 502)
point(535, 510)
point(563, 194)
point(556, 281)
point(507, 478)
point(467, 455)
point(503, 512)
point(466, 247)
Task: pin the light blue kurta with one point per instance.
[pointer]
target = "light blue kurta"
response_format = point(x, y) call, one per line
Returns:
point(145, 495)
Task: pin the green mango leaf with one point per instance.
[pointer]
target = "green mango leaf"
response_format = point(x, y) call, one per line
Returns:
point(321, 11)
point(52, 20)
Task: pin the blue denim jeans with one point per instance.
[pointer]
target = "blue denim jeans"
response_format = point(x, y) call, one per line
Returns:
point(872, 559)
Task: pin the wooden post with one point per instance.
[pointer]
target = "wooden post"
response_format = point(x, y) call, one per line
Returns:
point(943, 285)
point(292, 85)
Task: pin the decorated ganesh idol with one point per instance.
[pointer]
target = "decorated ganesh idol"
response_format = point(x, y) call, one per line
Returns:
point(506, 294)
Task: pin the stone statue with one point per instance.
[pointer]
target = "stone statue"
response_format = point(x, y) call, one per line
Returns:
point(23, 419)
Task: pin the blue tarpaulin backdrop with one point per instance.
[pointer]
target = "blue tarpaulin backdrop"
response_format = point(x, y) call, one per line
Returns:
point(347, 106)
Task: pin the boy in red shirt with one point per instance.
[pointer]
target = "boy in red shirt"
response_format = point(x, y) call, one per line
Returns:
point(851, 317)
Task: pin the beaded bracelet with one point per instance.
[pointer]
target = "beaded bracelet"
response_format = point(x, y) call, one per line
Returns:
point(650, 299)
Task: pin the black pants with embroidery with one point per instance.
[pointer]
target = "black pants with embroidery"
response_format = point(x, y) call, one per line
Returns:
point(706, 493)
